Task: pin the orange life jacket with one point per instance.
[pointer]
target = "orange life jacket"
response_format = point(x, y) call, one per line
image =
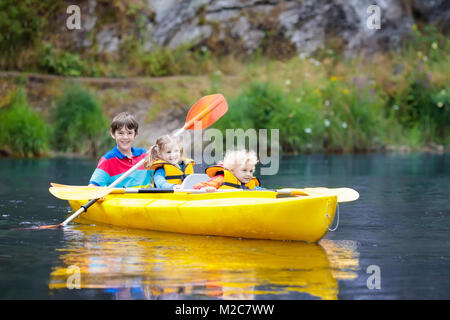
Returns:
point(230, 181)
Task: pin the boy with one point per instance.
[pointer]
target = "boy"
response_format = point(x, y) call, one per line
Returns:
point(124, 129)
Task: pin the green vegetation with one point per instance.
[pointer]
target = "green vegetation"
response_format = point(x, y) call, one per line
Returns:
point(19, 24)
point(420, 101)
point(62, 63)
point(161, 61)
point(23, 132)
point(427, 108)
point(333, 119)
point(21, 27)
point(342, 104)
point(79, 124)
point(28, 43)
point(324, 102)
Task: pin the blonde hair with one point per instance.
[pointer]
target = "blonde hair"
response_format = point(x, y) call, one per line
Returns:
point(155, 151)
point(239, 158)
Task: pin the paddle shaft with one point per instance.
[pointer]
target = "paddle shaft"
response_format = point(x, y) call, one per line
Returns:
point(91, 202)
point(78, 212)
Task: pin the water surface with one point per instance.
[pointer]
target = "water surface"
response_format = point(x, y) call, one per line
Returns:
point(400, 224)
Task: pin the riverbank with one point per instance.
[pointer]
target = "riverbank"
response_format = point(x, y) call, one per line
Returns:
point(433, 149)
point(323, 103)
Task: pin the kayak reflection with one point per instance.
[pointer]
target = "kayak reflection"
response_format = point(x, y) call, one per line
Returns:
point(137, 264)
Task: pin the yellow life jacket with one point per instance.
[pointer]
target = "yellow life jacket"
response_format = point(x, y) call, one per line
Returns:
point(173, 173)
point(230, 181)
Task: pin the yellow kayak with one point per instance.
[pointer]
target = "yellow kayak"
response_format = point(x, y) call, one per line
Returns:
point(244, 214)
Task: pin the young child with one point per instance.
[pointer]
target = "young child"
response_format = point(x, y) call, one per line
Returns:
point(124, 129)
point(236, 171)
point(166, 158)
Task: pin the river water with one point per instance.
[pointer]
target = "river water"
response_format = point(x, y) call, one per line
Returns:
point(392, 243)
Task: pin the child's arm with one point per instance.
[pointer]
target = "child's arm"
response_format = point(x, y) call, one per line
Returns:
point(160, 179)
point(214, 182)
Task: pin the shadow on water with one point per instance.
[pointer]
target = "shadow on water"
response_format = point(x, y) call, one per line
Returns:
point(130, 264)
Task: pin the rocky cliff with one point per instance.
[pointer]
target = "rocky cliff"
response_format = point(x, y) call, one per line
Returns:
point(244, 26)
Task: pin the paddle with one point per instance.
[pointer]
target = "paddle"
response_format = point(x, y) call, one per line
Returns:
point(84, 192)
point(343, 194)
point(202, 114)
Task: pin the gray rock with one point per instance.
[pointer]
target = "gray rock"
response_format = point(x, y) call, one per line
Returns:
point(191, 34)
point(433, 11)
point(107, 40)
point(91, 18)
point(308, 25)
point(172, 16)
point(243, 30)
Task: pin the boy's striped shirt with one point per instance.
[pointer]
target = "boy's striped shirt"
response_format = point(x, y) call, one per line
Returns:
point(114, 164)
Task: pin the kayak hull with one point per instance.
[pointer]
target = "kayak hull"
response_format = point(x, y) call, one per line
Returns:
point(245, 214)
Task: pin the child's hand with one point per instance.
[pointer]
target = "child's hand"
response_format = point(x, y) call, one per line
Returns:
point(209, 189)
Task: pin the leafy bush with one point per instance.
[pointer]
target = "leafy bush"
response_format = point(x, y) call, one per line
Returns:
point(23, 132)
point(162, 61)
point(159, 62)
point(61, 62)
point(427, 107)
point(428, 44)
point(22, 24)
point(266, 106)
point(19, 25)
point(338, 117)
point(353, 115)
point(79, 124)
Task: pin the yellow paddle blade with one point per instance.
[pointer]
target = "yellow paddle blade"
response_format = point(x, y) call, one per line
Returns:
point(343, 194)
point(53, 184)
point(82, 192)
point(66, 192)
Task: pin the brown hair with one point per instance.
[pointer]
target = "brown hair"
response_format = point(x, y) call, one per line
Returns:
point(124, 119)
point(154, 153)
